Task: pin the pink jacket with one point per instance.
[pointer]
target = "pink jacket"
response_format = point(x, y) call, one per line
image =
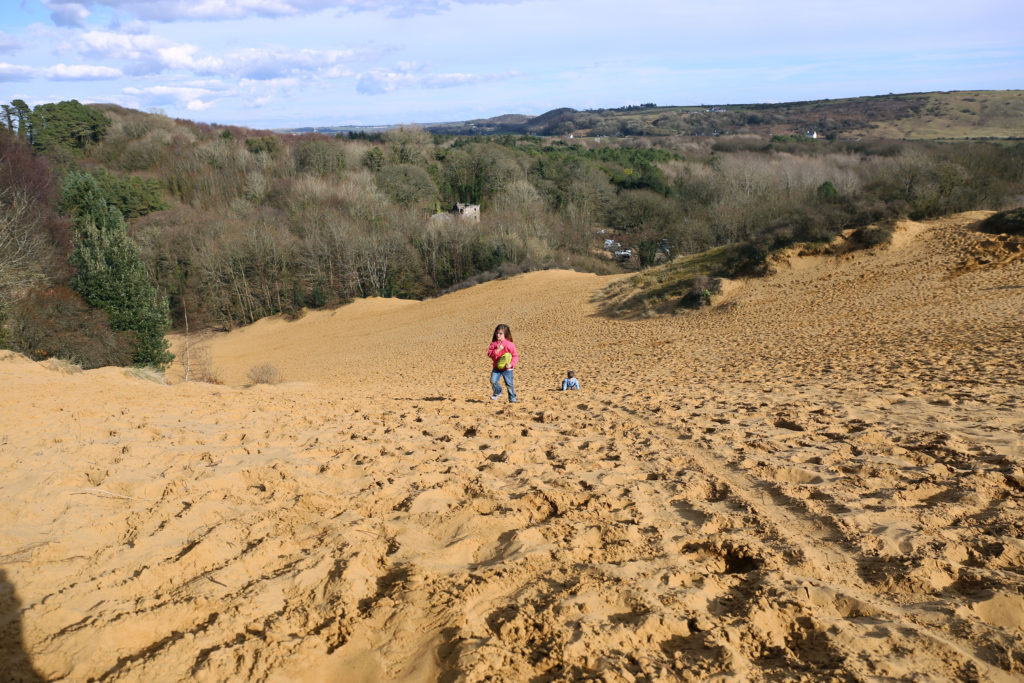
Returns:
point(498, 348)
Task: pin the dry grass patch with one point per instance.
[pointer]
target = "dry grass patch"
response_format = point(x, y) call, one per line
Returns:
point(64, 367)
point(201, 367)
point(147, 374)
point(265, 373)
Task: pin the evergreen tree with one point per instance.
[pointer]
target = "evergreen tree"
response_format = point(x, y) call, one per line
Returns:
point(110, 272)
point(8, 117)
point(67, 124)
point(827, 192)
point(20, 111)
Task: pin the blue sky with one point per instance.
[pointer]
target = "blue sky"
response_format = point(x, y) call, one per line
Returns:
point(287, 63)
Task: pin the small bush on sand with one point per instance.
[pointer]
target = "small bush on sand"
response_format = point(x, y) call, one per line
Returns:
point(64, 367)
point(747, 259)
point(700, 292)
point(265, 373)
point(148, 374)
point(1005, 222)
point(872, 236)
point(202, 368)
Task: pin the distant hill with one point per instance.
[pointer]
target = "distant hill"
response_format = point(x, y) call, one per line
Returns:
point(957, 115)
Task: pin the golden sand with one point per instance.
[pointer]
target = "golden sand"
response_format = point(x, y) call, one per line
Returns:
point(819, 476)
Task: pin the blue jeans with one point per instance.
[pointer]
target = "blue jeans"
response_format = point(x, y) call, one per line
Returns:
point(507, 376)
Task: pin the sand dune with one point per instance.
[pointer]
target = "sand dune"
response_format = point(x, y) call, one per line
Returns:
point(817, 478)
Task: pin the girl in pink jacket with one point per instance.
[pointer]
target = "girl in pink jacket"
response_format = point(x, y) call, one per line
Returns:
point(504, 357)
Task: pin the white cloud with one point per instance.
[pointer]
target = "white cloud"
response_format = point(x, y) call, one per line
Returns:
point(339, 71)
point(135, 27)
point(190, 97)
point(145, 53)
point(201, 10)
point(455, 80)
point(378, 82)
point(9, 43)
point(212, 10)
point(184, 57)
point(13, 72)
point(277, 62)
point(212, 85)
point(148, 54)
point(171, 94)
point(113, 45)
point(81, 72)
point(410, 8)
point(259, 93)
point(72, 14)
point(276, 83)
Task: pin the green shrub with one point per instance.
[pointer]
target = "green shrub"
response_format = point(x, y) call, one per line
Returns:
point(374, 159)
point(266, 144)
point(827, 192)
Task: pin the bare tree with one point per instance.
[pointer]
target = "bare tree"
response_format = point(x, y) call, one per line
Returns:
point(22, 247)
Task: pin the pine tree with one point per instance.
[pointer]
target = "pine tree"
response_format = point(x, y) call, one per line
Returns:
point(67, 124)
point(110, 273)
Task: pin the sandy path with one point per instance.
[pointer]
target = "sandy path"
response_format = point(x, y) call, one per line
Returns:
point(820, 477)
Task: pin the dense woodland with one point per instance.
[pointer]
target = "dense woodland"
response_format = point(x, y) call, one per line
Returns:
point(116, 225)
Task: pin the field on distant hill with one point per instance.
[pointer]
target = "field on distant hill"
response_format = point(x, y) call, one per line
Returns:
point(959, 115)
point(817, 477)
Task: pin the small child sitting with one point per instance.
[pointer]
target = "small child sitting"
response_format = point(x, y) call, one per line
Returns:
point(570, 381)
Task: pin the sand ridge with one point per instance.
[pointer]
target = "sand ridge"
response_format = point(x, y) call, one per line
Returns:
point(819, 477)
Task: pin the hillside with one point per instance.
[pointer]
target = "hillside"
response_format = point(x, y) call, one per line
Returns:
point(232, 225)
point(916, 116)
point(817, 477)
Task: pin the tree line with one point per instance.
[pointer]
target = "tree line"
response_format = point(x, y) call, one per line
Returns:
point(118, 224)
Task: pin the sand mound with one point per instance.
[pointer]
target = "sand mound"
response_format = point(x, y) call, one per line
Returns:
point(819, 477)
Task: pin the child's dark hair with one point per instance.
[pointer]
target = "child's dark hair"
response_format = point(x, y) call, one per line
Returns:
point(502, 328)
point(571, 374)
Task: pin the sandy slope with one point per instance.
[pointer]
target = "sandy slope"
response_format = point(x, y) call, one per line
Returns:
point(820, 477)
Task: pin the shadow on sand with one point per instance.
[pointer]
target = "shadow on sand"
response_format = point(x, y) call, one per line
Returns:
point(14, 663)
